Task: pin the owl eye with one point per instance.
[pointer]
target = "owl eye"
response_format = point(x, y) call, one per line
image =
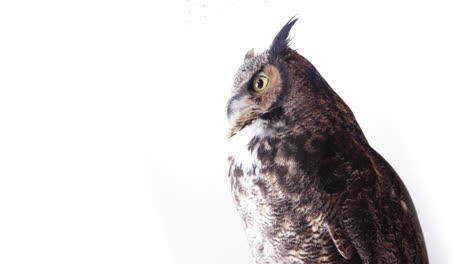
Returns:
point(260, 83)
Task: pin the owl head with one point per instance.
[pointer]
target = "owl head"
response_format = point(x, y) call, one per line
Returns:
point(280, 84)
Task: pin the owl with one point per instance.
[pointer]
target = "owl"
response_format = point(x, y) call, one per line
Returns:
point(307, 185)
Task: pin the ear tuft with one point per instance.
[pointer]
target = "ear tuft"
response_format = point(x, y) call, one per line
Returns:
point(281, 41)
point(249, 54)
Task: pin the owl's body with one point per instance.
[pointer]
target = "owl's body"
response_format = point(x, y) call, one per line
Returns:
point(305, 181)
point(279, 226)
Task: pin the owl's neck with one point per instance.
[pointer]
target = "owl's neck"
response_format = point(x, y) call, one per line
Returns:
point(258, 128)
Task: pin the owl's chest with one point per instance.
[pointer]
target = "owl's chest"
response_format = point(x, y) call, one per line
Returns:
point(257, 168)
point(272, 220)
point(251, 188)
point(250, 180)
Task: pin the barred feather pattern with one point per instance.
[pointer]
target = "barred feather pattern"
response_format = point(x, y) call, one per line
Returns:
point(304, 179)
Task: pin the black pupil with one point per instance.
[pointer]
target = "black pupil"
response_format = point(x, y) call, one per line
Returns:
point(259, 83)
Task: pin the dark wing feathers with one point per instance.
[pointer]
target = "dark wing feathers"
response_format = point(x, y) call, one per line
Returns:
point(377, 214)
point(374, 216)
point(341, 241)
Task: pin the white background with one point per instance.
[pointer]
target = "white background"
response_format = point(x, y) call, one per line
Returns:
point(112, 119)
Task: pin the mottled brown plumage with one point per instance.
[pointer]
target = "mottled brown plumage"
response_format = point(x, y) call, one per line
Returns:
point(307, 184)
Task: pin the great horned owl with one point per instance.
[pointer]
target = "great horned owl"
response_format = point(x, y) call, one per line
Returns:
point(306, 183)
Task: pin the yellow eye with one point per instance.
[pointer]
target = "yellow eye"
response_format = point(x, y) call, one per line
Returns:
point(260, 83)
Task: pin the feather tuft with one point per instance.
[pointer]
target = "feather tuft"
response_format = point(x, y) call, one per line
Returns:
point(281, 41)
